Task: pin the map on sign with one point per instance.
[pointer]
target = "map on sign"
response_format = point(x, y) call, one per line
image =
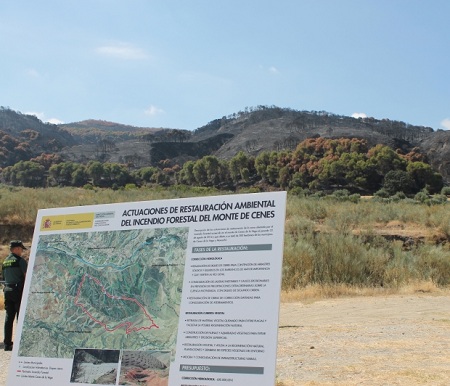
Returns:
point(112, 289)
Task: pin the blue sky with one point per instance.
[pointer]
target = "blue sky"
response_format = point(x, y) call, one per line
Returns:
point(183, 63)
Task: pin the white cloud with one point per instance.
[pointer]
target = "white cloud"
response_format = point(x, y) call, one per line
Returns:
point(274, 70)
point(32, 73)
point(43, 118)
point(445, 123)
point(359, 115)
point(122, 50)
point(55, 121)
point(153, 110)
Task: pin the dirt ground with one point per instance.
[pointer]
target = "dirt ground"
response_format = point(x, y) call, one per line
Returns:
point(394, 340)
point(391, 340)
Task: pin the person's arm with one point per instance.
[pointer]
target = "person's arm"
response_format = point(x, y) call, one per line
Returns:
point(3, 272)
point(23, 266)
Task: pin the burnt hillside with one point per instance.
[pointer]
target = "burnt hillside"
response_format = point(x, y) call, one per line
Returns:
point(23, 137)
point(253, 130)
point(273, 128)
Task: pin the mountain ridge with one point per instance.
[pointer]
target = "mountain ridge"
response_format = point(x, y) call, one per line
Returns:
point(253, 130)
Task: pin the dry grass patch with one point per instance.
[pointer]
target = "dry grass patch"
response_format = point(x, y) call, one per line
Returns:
point(315, 292)
point(286, 383)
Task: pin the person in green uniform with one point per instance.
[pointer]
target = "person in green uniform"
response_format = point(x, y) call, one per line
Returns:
point(14, 269)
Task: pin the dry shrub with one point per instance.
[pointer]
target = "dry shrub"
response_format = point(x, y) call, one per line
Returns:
point(331, 248)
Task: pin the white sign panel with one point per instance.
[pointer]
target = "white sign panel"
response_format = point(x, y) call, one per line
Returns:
point(172, 292)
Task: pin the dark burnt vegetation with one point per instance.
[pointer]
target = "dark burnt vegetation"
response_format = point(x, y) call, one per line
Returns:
point(261, 148)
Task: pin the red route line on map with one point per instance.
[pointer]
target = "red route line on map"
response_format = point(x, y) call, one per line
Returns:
point(127, 325)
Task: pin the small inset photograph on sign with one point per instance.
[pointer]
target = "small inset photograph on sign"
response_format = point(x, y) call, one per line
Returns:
point(95, 367)
point(145, 368)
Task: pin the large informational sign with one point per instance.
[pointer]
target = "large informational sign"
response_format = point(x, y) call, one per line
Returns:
point(171, 292)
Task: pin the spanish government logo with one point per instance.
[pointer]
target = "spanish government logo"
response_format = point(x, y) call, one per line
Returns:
point(68, 221)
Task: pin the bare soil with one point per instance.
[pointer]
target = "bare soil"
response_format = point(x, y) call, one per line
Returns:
point(393, 340)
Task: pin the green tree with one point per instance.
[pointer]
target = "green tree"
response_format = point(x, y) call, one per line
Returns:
point(272, 173)
point(115, 174)
point(186, 174)
point(61, 173)
point(200, 174)
point(398, 181)
point(95, 172)
point(79, 176)
point(262, 161)
point(385, 159)
point(298, 180)
point(160, 178)
point(284, 177)
point(424, 177)
point(212, 167)
point(349, 170)
point(239, 162)
point(7, 175)
point(29, 174)
point(145, 174)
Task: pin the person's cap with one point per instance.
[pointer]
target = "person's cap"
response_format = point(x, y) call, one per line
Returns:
point(16, 243)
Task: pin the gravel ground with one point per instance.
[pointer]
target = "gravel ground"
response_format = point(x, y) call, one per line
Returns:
point(395, 340)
